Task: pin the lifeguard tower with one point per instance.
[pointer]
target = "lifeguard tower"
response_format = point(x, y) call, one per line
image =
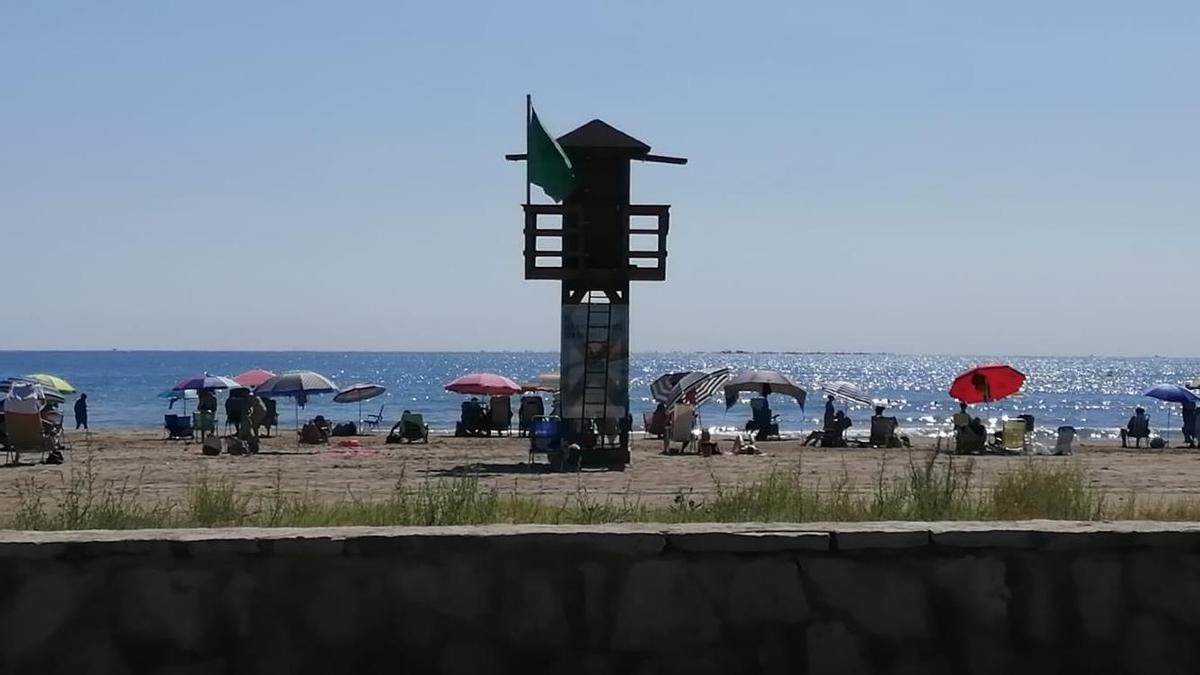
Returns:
point(595, 242)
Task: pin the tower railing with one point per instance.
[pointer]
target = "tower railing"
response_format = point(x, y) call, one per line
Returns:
point(555, 251)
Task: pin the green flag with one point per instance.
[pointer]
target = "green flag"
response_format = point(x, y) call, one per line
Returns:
point(546, 163)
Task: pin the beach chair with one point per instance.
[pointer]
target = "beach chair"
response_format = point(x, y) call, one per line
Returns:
point(545, 436)
point(1137, 429)
point(883, 432)
point(1066, 436)
point(271, 420)
point(500, 417)
point(967, 442)
point(1014, 435)
point(531, 407)
point(178, 427)
point(25, 433)
point(410, 428)
point(764, 424)
point(373, 421)
point(471, 422)
point(681, 428)
point(204, 422)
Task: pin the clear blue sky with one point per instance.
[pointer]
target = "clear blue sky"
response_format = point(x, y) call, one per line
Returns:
point(1019, 177)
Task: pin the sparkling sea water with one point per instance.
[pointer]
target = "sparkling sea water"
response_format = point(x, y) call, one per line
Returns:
point(1095, 394)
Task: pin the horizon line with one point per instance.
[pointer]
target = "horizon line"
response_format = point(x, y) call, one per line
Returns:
point(818, 352)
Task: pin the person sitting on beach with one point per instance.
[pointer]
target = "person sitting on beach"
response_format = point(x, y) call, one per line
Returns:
point(1137, 428)
point(835, 436)
point(972, 438)
point(741, 446)
point(708, 446)
point(961, 419)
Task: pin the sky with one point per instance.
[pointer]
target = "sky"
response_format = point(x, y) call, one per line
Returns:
point(947, 177)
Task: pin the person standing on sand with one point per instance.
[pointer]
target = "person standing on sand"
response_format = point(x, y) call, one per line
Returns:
point(828, 422)
point(1189, 423)
point(82, 412)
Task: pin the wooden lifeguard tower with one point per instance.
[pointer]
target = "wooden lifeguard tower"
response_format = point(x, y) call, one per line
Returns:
point(595, 242)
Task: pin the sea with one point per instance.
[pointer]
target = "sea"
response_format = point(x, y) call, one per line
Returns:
point(1095, 394)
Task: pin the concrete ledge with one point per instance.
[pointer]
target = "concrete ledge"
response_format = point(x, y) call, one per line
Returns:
point(631, 539)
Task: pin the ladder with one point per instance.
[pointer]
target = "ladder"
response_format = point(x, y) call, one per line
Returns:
point(596, 337)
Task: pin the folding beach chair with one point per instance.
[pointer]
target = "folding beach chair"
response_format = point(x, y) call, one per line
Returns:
point(1066, 436)
point(25, 433)
point(531, 407)
point(411, 427)
point(501, 415)
point(681, 427)
point(544, 437)
point(373, 421)
point(1014, 435)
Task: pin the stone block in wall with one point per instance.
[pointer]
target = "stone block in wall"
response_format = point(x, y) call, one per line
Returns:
point(660, 604)
point(766, 590)
point(533, 615)
point(885, 598)
point(46, 597)
point(1168, 584)
point(1098, 590)
point(976, 588)
point(832, 650)
point(1153, 645)
point(456, 587)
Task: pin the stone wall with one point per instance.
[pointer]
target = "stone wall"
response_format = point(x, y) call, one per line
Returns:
point(872, 598)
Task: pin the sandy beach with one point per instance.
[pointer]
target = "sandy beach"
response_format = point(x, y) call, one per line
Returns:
point(162, 470)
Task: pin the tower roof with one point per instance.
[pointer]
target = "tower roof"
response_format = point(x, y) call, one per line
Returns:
point(600, 134)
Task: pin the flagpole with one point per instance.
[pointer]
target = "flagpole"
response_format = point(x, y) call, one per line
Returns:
point(528, 120)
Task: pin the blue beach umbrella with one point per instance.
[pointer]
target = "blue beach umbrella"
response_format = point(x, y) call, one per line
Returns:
point(1171, 393)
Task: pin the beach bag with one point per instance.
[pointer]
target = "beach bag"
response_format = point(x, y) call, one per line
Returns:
point(347, 429)
point(1158, 443)
point(211, 447)
point(235, 447)
point(55, 457)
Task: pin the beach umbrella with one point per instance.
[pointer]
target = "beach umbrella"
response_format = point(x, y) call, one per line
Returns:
point(698, 386)
point(54, 381)
point(548, 382)
point(172, 395)
point(205, 381)
point(298, 384)
point(987, 383)
point(1171, 393)
point(483, 384)
point(763, 383)
point(848, 391)
point(660, 388)
point(49, 394)
point(357, 393)
point(252, 378)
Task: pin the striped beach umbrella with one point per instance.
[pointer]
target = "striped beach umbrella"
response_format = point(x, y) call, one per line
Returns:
point(205, 381)
point(698, 386)
point(660, 389)
point(848, 391)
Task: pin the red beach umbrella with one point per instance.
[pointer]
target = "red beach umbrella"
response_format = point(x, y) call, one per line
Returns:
point(986, 383)
point(484, 384)
point(252, 378)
